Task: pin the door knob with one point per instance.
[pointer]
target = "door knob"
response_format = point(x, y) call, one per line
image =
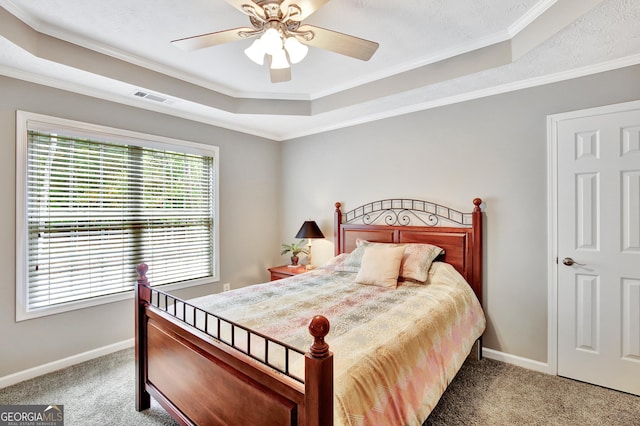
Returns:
point(569, 262)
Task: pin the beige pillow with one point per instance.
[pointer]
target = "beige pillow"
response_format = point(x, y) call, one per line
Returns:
point(380, 265)
point(415, 263)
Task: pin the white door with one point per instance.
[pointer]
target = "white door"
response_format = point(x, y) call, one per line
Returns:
point(598, 228)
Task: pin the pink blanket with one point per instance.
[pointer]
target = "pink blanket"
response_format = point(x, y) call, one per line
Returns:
point(395, 350)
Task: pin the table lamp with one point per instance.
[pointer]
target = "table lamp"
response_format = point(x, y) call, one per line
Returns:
point(309, 230)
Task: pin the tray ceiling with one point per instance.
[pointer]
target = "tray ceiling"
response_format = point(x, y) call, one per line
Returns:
point(431, 53)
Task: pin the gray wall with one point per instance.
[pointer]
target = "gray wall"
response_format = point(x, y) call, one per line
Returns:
point(250, 181)
point(494, 148)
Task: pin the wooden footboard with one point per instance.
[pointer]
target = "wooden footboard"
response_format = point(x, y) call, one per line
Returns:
point(204, 381)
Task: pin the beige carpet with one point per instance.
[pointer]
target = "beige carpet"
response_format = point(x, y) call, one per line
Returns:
point(493, 393)
point(101, 392)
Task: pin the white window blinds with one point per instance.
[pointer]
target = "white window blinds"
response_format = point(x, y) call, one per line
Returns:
point(96, 209)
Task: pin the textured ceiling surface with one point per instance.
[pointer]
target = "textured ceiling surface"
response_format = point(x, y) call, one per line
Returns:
point(431, 53)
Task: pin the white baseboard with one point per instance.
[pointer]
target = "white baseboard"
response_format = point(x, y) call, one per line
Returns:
point(30, 373)
point(527, 363)
point(21, 376)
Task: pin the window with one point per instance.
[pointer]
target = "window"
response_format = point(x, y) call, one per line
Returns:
point(93, 202)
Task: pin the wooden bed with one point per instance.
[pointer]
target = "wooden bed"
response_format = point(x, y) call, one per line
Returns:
point(204, 380)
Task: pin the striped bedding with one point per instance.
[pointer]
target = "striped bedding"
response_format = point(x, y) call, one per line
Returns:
point(395, 350)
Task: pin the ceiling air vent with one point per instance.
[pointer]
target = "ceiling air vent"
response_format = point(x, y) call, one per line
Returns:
point(152, 97)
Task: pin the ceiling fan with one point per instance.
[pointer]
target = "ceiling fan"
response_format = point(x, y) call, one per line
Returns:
point(283, 38)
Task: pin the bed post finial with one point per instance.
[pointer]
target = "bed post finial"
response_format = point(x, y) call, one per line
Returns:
point(142, 269)
point(318, 376)
point(476, 203)
point(319, 328)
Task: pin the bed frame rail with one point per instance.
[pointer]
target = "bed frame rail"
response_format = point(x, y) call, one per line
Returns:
point(197, 372)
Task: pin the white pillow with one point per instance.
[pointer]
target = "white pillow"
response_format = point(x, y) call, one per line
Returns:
point(381, 265)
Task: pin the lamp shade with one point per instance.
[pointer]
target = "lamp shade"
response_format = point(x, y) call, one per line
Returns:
point(279, 60)
point(255, 52)
point(309, 229)
point(296, 50)
point(272, 41)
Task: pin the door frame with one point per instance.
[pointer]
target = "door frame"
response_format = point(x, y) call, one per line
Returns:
point(552, 218)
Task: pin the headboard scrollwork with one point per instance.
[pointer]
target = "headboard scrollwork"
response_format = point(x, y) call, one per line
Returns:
point(406, 212)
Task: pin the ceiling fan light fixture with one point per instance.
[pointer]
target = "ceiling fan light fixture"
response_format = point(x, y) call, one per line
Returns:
point(279, 60)
point(256, 52)
point(296, 50)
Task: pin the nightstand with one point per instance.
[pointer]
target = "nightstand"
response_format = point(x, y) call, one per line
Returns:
point(284, 271)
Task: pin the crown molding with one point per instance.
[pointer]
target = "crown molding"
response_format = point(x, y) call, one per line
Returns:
point(477, 94)
point(321, 128)
point(531, 15)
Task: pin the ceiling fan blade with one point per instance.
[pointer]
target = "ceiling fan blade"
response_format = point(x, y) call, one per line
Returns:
point(213, 39)
point(242, 5)
point(343, 44)
point(280, 75)
point(307, 7)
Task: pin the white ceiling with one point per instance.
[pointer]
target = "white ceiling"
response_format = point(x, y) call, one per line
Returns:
point(432, 52)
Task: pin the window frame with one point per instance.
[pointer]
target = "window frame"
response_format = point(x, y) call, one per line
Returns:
point(26, 121)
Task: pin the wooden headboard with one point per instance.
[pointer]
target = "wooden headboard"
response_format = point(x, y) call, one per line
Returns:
point(414, 221)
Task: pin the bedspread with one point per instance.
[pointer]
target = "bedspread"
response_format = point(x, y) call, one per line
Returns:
point(395, 350)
